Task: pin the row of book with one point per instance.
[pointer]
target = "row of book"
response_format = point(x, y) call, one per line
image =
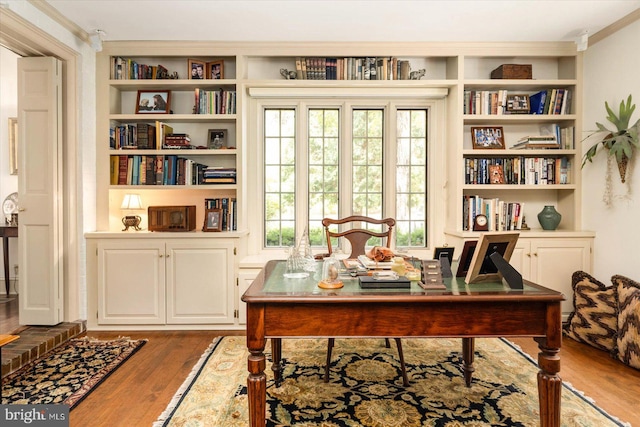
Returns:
point(215, 101)
point(497, 102)
point(501, 215)
point(128, 69)
point(518, 170)
point(160, 170)
point(229, 217)
point(143, 136)
point(350, 68)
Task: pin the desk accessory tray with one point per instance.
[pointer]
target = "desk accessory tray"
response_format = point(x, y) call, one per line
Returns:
point(368, 282)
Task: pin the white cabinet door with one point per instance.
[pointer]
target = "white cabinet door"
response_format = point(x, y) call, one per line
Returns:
point(200, 281)
point(131, 282)
point(554, 261)
point(521, 258)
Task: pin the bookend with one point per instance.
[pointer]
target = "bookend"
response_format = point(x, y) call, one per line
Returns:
point(510, 274)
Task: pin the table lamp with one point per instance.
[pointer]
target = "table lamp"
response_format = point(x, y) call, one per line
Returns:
point(131, 202)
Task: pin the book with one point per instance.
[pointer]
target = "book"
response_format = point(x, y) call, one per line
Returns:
point(537, 101)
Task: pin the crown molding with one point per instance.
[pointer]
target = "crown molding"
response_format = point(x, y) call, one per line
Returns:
point(54, 14)
point(615, 27)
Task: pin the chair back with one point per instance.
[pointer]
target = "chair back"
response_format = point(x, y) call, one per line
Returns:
point(358, 237)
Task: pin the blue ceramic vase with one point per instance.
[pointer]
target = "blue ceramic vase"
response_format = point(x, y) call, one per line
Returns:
point(549, 218)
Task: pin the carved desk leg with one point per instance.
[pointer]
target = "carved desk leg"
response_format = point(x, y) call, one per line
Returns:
point(549, 384)
point(468, 347)
point(257, 385)
point(276, 354)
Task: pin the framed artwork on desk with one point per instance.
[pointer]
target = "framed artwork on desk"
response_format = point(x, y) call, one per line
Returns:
point(481, 267)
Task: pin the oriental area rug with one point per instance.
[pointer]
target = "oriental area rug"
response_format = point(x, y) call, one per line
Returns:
point(366, 389)
point(67, 374)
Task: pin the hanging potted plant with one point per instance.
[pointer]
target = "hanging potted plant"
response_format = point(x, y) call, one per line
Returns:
point(620, 143)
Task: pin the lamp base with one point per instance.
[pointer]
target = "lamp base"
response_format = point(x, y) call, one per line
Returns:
point(131, 221)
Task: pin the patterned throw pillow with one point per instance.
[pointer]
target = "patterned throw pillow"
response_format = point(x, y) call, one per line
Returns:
point(627, 294)
point(594, 317)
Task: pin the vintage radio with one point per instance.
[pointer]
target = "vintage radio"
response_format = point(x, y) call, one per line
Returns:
point(172, 218)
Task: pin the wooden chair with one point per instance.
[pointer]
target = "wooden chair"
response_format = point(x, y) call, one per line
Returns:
point(358, 238)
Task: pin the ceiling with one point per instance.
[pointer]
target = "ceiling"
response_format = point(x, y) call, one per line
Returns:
point(344, 20)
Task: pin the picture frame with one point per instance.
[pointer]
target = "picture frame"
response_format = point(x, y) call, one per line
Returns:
point(13, 145)
point(518, 104)
point(491, 137)
point(482, 268)
point(216, 139)
point(215, 70)
point(496, 174)
point(447, 252)
point(153, 102)
point(197, 69)
point(212, 220)
point(465, 258)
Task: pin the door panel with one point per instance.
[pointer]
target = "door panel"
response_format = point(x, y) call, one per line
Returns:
point(39, 184)
point(200, 282)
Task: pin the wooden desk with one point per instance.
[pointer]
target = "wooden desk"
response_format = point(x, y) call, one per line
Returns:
point(280, 308)
point(6, 232)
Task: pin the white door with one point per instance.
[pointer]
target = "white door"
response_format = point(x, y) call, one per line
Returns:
point(39, 186)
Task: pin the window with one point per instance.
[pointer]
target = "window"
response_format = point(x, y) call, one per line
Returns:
point(346, 163)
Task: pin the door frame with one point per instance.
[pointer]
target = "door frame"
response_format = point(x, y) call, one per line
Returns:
point(28, 40)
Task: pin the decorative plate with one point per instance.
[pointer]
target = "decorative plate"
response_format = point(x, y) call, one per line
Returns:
point(10, 204)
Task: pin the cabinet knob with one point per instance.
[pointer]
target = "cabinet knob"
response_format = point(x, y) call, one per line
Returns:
point(167, 255)
point(161, 255)
point(535, 254)
point(529, 255)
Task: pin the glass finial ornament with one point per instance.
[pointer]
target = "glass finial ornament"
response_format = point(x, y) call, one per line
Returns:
point(304, 249)
point(295, 268)
point(330, 271)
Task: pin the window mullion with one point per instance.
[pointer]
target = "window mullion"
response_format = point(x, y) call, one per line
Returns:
point(302, 167)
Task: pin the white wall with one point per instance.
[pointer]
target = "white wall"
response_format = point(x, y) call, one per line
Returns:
point(611, 73)
point(8, 108)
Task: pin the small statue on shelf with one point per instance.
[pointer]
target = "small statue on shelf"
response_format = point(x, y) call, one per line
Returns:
point(289, 75)
point(417, 75)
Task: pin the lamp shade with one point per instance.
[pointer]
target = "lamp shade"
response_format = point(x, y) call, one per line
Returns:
point(131, 201)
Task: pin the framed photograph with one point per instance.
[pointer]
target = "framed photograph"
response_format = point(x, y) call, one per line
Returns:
point(153, 102)
point(465, 259)
point(496, 174)
point(13, 145)
point(444, 252)
point(217, 139)
point(482, 268)
point(487, 137)
point(215, 70)
point(197, 69)
point(212, 220)
point(518, 104)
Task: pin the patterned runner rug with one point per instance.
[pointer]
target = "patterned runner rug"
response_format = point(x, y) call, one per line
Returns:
point(366, 387)
point(68, 373)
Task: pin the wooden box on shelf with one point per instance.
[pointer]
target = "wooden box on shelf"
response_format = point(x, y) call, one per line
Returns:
point(172, 218)
point(512, 71)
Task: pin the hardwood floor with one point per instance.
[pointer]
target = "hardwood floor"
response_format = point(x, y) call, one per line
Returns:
point(137, 392)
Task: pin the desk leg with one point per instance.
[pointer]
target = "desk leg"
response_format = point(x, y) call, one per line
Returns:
point(549, 384)
point(5, 250)
point(468, 348)
point(257, 386)
point(276, 354)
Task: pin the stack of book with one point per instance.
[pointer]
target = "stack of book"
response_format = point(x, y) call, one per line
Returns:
point(537, 141)
point(215, 101)
point(219, 175)
point(177, 140)
point(229, 213)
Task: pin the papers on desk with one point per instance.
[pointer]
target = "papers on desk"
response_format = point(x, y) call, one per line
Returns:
point(373, 265)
